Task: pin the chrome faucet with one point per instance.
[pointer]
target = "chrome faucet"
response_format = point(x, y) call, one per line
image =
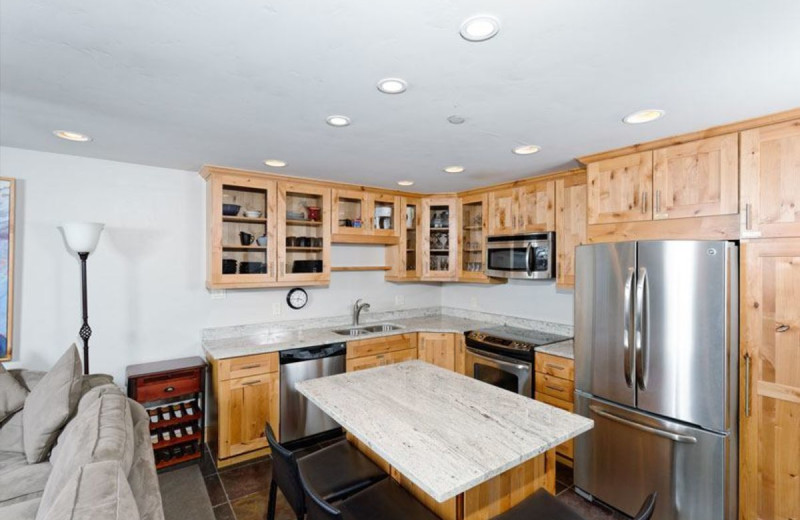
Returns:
point(357, 308)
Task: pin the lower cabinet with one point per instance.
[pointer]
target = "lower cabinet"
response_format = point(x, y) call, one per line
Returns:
point(438, 348)
point(769, 371)
point(246, 395)
point(376, 352)
point(555, 386)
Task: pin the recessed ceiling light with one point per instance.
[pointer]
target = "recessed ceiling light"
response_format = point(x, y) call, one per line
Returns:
point(392, 85)
point(643, 116)
point(479, 28)
point(275, 163)
point(405, 183)
point(72, 136)
point(526, 149)
point(456, 120)
point(454, 169)
point(338, 120)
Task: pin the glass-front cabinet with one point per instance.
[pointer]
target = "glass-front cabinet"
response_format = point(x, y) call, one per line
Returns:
point(405, 259)
point(304, 232)
point(241, 213)
point(472, 223)
point(439, 239)
point(365, 217)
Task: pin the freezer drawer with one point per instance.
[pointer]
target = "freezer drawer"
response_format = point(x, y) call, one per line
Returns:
point(629, 454)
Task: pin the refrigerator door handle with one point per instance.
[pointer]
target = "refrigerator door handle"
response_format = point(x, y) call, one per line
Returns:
point(687, 439)
point(628, 333)
point(642, 330)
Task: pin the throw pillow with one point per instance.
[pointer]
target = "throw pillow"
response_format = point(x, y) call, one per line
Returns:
point(12, 394)
point(50, 405)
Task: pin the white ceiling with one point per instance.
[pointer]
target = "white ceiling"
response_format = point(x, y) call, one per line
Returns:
point(180, 83)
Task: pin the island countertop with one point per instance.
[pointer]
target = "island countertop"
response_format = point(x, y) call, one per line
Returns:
point(445, 432)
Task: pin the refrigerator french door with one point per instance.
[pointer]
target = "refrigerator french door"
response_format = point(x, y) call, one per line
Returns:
point(656, 348)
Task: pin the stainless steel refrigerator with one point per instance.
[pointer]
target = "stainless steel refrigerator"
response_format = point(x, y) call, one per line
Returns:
point(656, 346)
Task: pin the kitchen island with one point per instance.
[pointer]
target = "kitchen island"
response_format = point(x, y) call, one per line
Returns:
point(467, 449)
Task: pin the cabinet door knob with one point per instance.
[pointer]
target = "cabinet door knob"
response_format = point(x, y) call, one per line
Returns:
point(169, 389)
point(781, 328)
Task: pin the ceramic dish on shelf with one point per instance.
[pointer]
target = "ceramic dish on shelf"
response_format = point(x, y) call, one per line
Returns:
point(295, 215)
point(230, 210)
point(252, 213)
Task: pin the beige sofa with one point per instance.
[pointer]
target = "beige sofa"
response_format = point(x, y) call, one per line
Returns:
point(101, 466)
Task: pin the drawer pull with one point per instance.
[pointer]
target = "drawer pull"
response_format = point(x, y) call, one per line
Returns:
point(551, 365)
point(248, 367)
point(554, 388)
point(250, 383)
point(169, 389)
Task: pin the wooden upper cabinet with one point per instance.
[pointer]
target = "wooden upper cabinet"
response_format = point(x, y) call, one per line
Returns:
point(536, 207)
point(619, 189)
point(769, 434)
point(503, 211)
point(304, 243)
point(770, 170)
point(364, 216)
point(351, 212)
point(570, 225)
point(696, 179)
point(440, 239)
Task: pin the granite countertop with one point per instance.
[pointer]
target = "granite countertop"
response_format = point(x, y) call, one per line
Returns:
point(443, 431)
point(563, 349)
point(283, 339)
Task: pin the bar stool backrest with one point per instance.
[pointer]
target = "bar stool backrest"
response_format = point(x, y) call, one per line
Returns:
point(286, 473)
point(316, 507)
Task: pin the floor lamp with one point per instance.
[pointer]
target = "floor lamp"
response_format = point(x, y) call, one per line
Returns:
point(82, 237)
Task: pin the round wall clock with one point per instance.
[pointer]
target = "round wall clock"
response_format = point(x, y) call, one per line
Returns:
point(297, 298)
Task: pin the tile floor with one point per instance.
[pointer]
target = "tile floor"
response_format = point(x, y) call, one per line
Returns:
point(241, 492)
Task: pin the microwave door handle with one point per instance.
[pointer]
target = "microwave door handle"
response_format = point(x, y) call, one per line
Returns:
point(628, 332)
point(642, 329)
point(528, 252)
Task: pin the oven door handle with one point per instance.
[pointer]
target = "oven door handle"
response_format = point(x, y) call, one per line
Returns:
point(499, 360)
point(528, 252)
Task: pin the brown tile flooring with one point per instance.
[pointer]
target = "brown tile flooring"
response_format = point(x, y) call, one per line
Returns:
point(241, 492)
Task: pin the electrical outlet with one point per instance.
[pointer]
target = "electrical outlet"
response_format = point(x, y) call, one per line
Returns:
point(473, 302)
point(399, 299)
point(276, 309)
point(217, 294)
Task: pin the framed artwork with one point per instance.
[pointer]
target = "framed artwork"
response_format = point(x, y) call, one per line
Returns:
point(6, 266)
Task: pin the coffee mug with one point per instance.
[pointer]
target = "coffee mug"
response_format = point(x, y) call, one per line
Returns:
point(246, 238)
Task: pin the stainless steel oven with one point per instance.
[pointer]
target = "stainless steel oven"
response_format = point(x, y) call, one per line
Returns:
point(530, 256)
point(503, 356)
point(508, 373)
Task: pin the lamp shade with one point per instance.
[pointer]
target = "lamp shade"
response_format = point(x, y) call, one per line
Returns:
point(82, 237)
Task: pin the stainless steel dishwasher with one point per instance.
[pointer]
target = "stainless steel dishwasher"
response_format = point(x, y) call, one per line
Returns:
point(299, 417)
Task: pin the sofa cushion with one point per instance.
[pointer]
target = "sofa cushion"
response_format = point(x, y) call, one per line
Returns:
point(20, 481)
point(101, 431)
point(50, 405)
point(142, 477)
point(11, 434)
point(12, 394)
point(20, 510)
point(98, 490)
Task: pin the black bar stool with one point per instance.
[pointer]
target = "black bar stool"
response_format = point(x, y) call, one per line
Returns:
point(334, 472)
point(543, 505)
point(386, 500)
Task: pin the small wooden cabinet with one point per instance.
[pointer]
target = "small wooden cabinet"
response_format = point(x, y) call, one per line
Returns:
point(361, 216)
point(770, 171)
point(438, 348)
point(769, 371)
point(570, 225)
point(439, 239)
point(554, 380)
point(472, 226)
point(696, 179)
point(247, 395)
point(619, 189)
point(173, 393)
point(376, 352)
point(529, 208)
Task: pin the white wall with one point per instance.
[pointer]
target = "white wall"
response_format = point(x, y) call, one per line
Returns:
point(536, 300)
point(147, 298)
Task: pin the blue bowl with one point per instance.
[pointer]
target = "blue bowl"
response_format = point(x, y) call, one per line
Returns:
point(230, 210)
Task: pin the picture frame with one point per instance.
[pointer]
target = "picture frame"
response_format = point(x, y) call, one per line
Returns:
point(7, 194)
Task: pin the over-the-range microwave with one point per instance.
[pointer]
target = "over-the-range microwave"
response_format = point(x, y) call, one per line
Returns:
point(530, 256)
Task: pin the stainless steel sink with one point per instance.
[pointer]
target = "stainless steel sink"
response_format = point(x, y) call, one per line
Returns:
point(369, 329)
point(384, 327)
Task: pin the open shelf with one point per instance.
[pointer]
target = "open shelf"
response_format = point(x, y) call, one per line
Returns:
point(177, 440)
point(178, 460)
point(473, 228)
point(362, 268)
point(303, 223)
point(245, 220)
point(175, 420)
